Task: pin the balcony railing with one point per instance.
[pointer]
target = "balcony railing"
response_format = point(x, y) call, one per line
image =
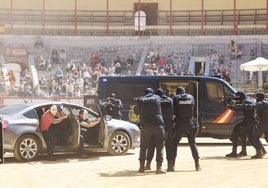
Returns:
point(50, 22)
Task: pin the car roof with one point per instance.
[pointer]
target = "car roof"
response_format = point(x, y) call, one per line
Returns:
point(31, 105)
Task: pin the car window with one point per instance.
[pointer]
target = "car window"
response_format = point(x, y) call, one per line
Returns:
point(65, 109)
point(31, 114)
point(75, 111)
point(11, 109)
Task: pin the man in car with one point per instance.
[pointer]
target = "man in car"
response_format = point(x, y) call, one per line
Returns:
point(152, 128)
point(49, 118)
point(84, 124)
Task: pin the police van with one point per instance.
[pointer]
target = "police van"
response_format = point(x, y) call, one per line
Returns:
point(210, 93)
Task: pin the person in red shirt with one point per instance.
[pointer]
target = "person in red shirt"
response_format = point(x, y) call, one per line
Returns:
point(47, 119)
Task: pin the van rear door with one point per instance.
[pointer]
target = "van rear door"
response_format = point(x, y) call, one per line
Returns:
point(191, 87)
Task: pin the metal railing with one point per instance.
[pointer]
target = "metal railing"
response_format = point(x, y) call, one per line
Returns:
point(63, 22)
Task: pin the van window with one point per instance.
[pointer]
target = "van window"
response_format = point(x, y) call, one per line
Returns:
point(214, 91)
point(128, 90)
point(170, 87)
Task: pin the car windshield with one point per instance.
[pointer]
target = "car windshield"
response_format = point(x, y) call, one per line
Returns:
point(13, 109)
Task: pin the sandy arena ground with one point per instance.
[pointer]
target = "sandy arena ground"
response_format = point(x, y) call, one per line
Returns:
point(101, 170)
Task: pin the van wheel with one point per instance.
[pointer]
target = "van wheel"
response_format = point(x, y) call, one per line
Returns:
point(119, 143)
point(27, 148)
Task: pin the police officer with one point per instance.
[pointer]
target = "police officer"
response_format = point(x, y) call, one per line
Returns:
point(152, 130)
point(262, 126)
point(113, 107)
point(243, 128)
point(167, 112)
point(185, 124)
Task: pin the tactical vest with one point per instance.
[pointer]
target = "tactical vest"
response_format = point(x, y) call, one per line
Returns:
point(184, 107)
point(151, 113)
point(167, 108)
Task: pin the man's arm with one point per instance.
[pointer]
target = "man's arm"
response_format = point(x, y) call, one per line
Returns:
point(90, 123)
point(58, 120)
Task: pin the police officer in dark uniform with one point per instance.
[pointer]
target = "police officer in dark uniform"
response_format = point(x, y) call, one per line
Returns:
point(167, 112)
point(245, 127)
point(261, 107)
point(152, 130)
point(185, 124)
point(112, 107)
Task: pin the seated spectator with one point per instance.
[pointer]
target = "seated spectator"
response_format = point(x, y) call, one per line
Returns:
point(87, 78)
point(130, 62)
point(39, 43)
point(55, 56)
point(190, 73)
point(62, 56)
point(58, 74)
point(118, 69)
point(162, 72)
point(69, 89)
point(49, 65)
point(43, 83)
point(233, 49)
point(11, 78)
point(227, 77)
point(217, 73)
point(41, 63)
point(214, 59)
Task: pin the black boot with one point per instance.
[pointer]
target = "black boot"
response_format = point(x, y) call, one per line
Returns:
point(233, 153)
point(170, 166)
point(258, 155)
point(197, 165)
point(148, 165)
point(159, 169)
point(243, 152)
point(141, 170)
point(263, 150)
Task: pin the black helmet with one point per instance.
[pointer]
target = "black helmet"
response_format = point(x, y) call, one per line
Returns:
point(148, 90)
point(180, 90)
point(260, 96)
point(159, 92)
point(240, 95)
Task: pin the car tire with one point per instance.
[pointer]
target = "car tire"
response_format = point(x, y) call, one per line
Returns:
point(27, 148)
point(119, 143)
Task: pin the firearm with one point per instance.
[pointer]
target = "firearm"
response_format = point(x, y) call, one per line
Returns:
point(105, 102)
point(232, 103)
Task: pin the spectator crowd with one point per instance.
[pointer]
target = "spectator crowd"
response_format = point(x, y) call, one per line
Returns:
point(64, 75)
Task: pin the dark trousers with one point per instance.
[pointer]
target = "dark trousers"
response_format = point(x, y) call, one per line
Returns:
point(152, 137)
point(82, 140)
point(169, 145)
point(169, 131)
point(169, 135)
point(51, 141)
point(243, 130)
point(190, 134)
point(258, 131)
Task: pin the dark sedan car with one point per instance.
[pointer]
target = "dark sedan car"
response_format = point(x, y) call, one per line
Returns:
point(22, 135)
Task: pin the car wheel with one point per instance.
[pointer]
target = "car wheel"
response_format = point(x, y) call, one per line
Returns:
point(119, 143)
point(26, 148)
